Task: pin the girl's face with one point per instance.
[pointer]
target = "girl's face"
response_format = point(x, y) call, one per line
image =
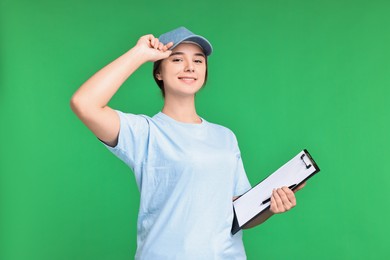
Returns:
point(183, 72)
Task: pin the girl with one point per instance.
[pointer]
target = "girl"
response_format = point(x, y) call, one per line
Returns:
point(187, 169)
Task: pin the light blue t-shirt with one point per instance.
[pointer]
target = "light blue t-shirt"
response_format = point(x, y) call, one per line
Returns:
point(187, 175)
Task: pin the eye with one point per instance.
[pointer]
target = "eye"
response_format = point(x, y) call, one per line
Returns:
point(177, 59)
point(198, 61)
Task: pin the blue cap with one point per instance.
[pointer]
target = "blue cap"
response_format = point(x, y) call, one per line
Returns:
point(182, 34)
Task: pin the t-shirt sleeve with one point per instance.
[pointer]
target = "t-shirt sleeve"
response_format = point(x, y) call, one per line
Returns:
point(132, 139)
point(241, 182)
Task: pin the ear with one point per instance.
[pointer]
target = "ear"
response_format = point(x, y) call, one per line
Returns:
point(158, 76)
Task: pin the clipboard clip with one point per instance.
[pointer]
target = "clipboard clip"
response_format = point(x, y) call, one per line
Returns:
point(307, 165)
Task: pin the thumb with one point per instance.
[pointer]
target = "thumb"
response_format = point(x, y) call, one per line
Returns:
point(167, 53)
point(160, 55)
point(163, 54)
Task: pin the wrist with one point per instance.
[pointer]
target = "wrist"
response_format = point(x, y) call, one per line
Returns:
point(136, 55)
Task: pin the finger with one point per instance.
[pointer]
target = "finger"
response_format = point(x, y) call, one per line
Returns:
point(155, 43)
point(152, 41)
point(169, 45)
point(290, 196)
point(278, 201)
point(149, 39)
point(288, 199)
point(273, 205)
point(161, 46)
point(286, 204)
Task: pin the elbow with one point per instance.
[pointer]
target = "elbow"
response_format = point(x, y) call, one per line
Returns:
point(75, 103)
point(79, 105)
point(84, 107)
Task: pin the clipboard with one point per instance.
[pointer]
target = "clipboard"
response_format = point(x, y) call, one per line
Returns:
point(255, 201)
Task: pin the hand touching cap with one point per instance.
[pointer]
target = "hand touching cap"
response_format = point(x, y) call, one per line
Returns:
point(152, 48)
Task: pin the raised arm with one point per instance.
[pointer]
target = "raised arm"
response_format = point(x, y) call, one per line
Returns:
point(90, 101)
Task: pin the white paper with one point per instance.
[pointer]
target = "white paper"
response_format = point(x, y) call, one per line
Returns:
point(293, 172)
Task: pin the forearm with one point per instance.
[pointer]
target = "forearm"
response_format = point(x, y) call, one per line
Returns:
point(282, 200)
point(97, 91)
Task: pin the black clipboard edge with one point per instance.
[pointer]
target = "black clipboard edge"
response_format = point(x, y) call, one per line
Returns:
point(312, 161)
point(236, 227)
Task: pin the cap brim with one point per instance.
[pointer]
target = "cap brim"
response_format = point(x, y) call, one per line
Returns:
point(201, 41)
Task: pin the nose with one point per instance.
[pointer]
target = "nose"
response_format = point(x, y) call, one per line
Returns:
point(189, 67)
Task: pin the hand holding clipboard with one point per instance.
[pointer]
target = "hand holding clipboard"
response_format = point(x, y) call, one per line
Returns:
point(255, 201)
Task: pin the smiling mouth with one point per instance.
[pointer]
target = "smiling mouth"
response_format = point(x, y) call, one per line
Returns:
point(187, 78)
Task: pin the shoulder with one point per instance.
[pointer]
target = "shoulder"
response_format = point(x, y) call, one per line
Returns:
point(223, 130)
point(132, 117)
point(133, 121)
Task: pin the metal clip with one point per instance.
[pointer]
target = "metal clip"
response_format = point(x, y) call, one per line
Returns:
point(307, 165)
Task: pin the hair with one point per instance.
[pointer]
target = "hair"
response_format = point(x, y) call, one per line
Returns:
point(160, 83)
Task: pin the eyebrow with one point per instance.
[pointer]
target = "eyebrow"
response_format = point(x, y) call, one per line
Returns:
point(182, 53)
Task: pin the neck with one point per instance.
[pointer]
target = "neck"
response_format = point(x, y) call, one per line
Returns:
point(182, 110)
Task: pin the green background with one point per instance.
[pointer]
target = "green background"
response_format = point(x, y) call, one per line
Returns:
point(285, 75)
